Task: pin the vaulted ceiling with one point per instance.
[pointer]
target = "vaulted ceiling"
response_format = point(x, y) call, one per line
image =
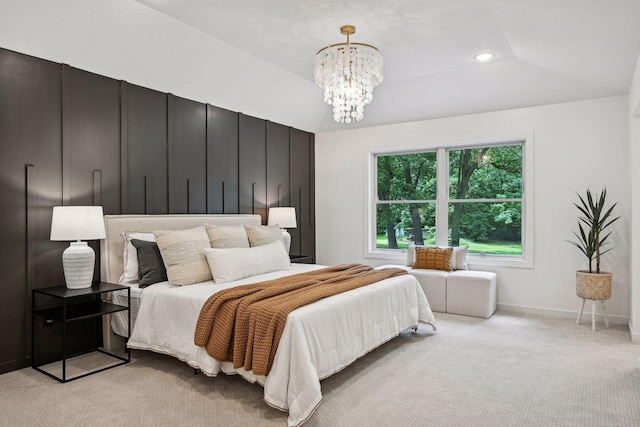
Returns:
point(546, 51)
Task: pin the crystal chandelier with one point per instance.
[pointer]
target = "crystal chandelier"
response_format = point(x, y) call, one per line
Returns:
point(348, 72)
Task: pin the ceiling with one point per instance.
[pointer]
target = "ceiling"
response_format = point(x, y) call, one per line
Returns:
point(546, 51)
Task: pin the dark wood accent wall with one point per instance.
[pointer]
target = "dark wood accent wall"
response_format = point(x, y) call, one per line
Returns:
point(302, 192)
point(187, 156)
point(30, 185)
point(145, 146)
point(70, 137)
point(91, 140)
point(222, 161)
point(253, 166)
point(278, 162)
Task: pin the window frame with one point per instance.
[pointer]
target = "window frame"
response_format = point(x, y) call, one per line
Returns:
point(442, 200)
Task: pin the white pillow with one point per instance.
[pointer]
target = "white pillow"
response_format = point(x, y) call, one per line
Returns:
point(232, 264)
point(130, 256)
point(181, 252)
point(458, 258)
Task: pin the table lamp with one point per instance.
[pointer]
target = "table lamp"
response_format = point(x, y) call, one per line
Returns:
point(77, 223)
point(284, 217)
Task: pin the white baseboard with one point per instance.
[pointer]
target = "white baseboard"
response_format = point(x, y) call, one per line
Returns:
point(635, 336)
point(586, 315)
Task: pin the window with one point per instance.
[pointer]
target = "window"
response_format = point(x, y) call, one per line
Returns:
point(485, 199)
point(454, 196)
point(406, 206)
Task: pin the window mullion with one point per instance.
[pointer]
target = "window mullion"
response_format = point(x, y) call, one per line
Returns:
point(515, 200)
point(442, 217)
point(404, 202)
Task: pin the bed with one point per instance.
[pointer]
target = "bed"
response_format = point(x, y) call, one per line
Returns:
point(318, 339)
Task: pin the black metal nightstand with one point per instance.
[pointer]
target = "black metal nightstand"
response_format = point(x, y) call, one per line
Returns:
point(76, 305)
point(302, 259)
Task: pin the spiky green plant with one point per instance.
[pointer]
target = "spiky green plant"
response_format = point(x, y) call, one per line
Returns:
point(592, 225)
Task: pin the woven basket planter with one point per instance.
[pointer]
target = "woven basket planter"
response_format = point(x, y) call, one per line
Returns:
point(593, 286)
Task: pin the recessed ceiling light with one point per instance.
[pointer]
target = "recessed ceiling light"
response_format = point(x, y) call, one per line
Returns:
point(484, 57)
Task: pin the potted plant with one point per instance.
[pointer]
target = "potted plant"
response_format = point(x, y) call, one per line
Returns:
point(593, 224)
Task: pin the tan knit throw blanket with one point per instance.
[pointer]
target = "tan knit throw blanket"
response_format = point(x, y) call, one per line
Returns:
point(243, 325)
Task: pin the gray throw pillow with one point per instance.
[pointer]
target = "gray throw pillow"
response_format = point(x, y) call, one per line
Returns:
point(227, 236)
point(263, 234)
point(150, 266)
point(183, 255)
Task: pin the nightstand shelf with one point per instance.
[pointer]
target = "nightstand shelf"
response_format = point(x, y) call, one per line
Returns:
point(302, 259)
point(80, 311)
point(73, 305)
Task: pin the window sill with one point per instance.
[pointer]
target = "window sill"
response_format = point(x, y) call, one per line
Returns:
point(477, 261)
point(494, 261)
point(390, 255)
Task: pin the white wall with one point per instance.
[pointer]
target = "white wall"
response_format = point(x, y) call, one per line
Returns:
point(634, 178)
point(577, 145)
point(125, 40)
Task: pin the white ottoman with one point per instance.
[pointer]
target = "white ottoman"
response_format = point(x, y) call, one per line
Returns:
point(472, 293)
point(434, 285)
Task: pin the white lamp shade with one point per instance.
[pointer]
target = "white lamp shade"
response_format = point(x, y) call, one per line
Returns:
point(77, 223)
point(284, 217)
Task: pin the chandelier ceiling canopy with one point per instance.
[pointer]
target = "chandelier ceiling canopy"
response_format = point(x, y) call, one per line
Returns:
point(348, 72)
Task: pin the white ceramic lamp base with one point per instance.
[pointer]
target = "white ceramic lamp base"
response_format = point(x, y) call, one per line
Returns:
point(78, 261)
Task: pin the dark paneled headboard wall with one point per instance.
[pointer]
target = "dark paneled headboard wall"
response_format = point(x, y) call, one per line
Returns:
point(76, 138)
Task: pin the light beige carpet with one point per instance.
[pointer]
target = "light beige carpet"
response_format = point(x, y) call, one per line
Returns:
point(510, 370)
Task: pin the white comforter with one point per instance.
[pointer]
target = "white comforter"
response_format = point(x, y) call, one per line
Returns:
point(318, 339)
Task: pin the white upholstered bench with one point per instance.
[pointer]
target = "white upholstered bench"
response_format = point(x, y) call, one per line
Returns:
point(466, 292)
